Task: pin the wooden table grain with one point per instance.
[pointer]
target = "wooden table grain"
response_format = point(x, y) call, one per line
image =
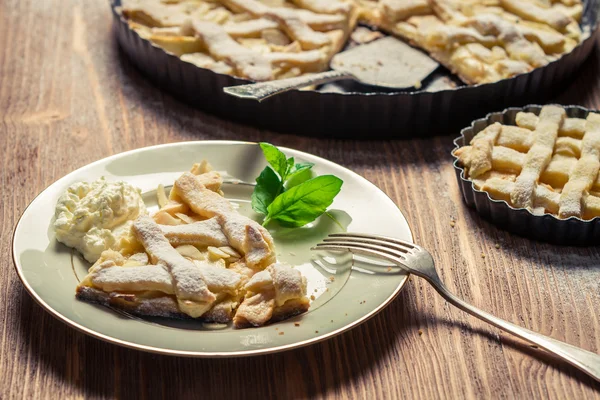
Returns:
point(68, 97)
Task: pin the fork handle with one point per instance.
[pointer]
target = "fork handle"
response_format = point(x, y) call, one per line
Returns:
point(585, 360)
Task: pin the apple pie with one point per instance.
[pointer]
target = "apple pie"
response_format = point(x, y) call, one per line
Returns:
point(197, 257)
point(547, 163)
point(482, 40)
point(479, 40)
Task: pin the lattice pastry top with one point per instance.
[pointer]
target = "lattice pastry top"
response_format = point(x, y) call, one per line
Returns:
point(257, 40)
point(546, 164)
point(479, 40)
point(482, 40)
point(197, 257)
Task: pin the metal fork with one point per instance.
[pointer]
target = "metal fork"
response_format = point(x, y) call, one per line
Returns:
point(418, 261)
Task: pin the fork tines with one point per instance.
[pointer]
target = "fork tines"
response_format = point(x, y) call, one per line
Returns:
point(366, 244)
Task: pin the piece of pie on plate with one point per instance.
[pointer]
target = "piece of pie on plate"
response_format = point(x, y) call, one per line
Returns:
point(252, 39)
point(547, 164)
point(197, 257)
point(482, 40)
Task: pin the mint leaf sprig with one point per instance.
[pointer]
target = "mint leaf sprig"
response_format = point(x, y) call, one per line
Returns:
point(285, 191)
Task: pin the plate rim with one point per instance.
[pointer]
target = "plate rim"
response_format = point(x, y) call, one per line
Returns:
point(198, 354)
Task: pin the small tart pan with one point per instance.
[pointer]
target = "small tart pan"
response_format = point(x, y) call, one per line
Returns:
point(547, 228)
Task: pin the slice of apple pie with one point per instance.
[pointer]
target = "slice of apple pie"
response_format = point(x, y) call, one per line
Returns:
point(197, 257)
point(257, 40)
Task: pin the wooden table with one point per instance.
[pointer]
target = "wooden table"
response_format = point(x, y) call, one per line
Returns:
point(68, 97)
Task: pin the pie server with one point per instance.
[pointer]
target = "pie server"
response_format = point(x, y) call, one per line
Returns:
point(386, 62)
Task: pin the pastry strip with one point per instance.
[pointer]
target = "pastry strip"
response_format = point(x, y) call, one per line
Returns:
point(517, 47)
point(325, 6)
point(288, 20)
point(288, 283)
point(549, 39)
point(585, 171)
point(111, 278)
point(478, 157)
point(322, 22)
point(529, 10)
point(269, 290)
point(193, 296)
point(538, 157)
point(219, 280)
point(542, 197)
point(222, 47)
point(399, 10)
point(201, 233)
point(155, 13)
point(249, 29)
point(297, 29)
point(245, 235)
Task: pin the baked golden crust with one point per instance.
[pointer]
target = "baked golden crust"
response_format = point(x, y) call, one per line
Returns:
point(161, 306)
point(288, 310)
point(547, 164)
point(144, 305)
point(197, 258)
point(257, 40)
point(479, 40)
point(276, 292)
point(482, 40)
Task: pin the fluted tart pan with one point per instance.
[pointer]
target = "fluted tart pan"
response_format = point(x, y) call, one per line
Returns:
point(547, 227)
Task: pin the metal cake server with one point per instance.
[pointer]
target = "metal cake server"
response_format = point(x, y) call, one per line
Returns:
point(386, 62)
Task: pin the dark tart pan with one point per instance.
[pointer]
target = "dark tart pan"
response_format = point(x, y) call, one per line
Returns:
point(546, 228)
point(358, 112)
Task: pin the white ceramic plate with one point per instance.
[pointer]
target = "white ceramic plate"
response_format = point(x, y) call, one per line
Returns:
point(346, 293)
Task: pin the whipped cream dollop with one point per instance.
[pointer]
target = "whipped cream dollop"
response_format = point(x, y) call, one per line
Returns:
point(92, 216)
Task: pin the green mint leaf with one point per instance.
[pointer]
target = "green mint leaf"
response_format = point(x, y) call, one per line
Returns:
point(267, 188)
point(290, 167)
point(298, 168)
point(299, 174)
point(304, 165)
point(304, 203)
point(275, 158)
